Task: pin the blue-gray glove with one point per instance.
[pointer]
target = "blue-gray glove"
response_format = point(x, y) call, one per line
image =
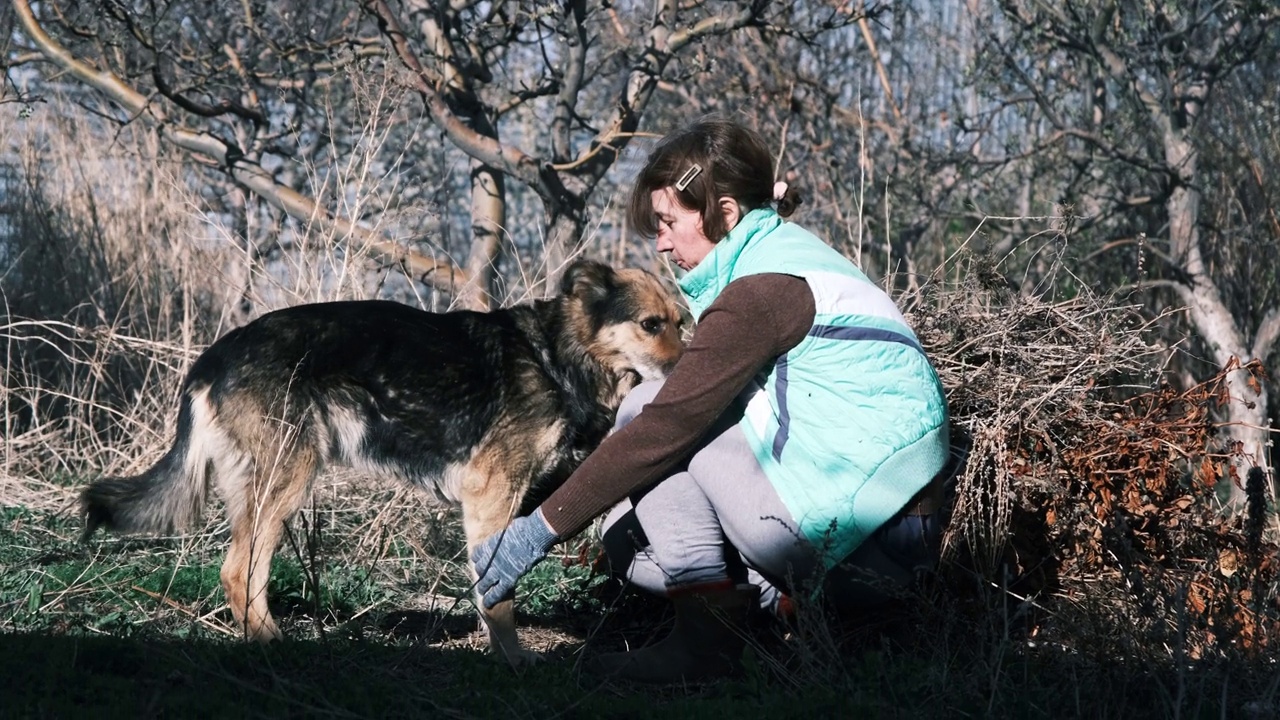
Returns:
point(504, 557)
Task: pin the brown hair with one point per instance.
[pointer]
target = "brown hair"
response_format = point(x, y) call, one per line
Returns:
point(735, 162)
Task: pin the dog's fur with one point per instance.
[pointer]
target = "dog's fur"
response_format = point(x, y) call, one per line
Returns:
point(482, 409)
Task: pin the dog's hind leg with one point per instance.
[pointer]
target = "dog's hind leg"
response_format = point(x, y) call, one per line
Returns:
point(259, 503)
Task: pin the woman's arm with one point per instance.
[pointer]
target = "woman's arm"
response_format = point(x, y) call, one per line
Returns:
point(753, 321)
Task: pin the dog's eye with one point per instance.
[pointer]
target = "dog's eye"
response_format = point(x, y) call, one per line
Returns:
point(652, 325)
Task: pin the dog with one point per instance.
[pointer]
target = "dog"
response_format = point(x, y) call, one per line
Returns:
point(485, 410)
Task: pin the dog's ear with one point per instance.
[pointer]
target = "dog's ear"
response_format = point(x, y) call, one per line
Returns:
point(589, 281)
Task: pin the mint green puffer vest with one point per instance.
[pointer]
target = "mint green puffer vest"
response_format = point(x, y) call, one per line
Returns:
point(852, 422)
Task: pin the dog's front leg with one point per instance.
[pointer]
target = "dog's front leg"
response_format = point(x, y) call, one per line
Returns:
point(487, 508)
point(500, 623)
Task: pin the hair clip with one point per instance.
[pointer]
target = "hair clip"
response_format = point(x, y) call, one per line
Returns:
point(694, 171)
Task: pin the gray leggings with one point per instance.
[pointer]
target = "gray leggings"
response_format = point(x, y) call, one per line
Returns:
point(719, 519)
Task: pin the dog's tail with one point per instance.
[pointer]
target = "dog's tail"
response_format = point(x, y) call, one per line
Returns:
point(168, 496)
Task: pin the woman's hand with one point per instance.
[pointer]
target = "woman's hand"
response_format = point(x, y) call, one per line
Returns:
point(504, 557)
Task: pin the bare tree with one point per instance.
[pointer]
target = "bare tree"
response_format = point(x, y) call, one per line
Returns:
point(545, 96)
point(1146, 131)
point(1125, 97)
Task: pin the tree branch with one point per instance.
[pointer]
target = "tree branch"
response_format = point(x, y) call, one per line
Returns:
point(1147, 247)
point(1119, 70)
point(1184, 293)
point(870, 39)
point(571, 85)
point(248, 174)
point(221, 107)
point(1264, 341)
point(661, 46)
point(507, 158)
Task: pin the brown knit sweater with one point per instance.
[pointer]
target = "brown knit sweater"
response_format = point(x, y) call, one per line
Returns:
point(754, 320)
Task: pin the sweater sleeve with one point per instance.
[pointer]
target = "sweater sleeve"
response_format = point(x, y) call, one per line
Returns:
point(754, 320)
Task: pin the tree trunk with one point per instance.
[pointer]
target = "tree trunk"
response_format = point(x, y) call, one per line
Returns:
point(564, 239)
point(1247, 426)
point(488, 222)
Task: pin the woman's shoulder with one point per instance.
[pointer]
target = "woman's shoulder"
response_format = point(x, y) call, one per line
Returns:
point(765, 286)
point(771, 302)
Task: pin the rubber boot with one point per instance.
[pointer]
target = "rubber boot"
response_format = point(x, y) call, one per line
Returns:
point(706, 642)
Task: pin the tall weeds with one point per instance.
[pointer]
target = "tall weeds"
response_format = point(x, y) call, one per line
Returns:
point(120, 259)
point(114, 274)
point(106, 293)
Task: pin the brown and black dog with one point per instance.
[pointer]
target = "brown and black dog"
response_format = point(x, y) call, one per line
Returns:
point(482, 409)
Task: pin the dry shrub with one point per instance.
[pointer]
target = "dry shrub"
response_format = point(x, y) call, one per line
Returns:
point(118, 264)
point(117, 268)
point(105, 292)
point(1091, 485)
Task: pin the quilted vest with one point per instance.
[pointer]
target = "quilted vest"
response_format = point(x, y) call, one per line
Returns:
point(851, 423)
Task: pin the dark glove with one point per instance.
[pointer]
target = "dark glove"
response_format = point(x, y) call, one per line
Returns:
point(504, 557)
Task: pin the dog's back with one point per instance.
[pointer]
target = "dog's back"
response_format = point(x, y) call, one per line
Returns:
point(372, 384)
point(476, 407)
point(376, 385)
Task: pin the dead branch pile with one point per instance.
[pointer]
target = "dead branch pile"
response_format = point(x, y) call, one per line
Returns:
point(1087, 472)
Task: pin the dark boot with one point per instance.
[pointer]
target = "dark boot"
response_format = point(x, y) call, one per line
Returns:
point(706, 642)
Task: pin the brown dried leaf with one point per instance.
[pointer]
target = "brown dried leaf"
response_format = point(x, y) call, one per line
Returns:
point(1228, 562)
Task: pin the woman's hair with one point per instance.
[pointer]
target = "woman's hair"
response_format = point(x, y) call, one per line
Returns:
point(734, 162)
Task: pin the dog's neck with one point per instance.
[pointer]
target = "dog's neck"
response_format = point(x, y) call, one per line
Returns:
point(572, 364)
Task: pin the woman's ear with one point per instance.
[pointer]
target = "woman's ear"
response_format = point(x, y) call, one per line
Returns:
point(730, 211)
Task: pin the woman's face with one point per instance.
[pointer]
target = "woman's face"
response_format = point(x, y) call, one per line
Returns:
point(679, 230)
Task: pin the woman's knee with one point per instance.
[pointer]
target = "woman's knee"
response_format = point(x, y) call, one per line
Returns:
point(634, 402)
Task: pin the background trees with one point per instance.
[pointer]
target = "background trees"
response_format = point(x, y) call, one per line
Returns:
point(459, 152)
point(1126, 140)
point(543, 95)
point(1076, 203)
point(1156, 126)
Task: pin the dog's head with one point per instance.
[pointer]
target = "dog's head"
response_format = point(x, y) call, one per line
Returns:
point(625, 319)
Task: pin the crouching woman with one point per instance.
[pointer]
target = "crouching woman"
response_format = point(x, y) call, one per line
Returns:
point(797, 445)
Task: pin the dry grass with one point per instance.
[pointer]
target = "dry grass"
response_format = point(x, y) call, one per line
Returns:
point(1024, 369)
point(104, 303)
point(1055, 559)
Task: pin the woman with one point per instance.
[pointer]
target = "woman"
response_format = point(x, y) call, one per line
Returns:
point(792, 447)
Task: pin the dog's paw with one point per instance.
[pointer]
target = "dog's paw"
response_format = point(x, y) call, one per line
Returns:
point(263, 631)
point(519, 658)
